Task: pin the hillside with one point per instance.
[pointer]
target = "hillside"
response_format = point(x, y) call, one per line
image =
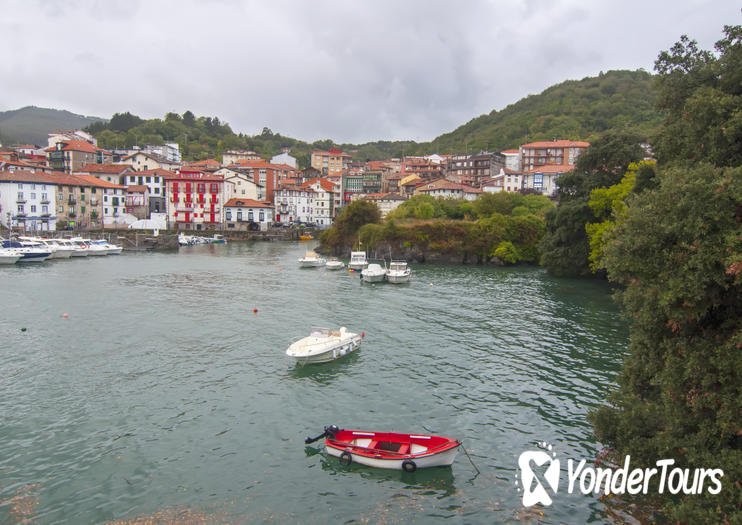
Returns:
point(32, 125)
point(575, 109)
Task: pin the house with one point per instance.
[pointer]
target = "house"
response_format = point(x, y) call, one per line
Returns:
point(285, 158)
point(155, 180)
point(504, 180)
point(387, 202)
point(102, 196)
point(294, 204)
point(408, 184)
point(247, 214)
point(169, 151)
point(27, 200)
point(72, 155)
point(555, 152)
point(107, 172)
point(233, 156)
point(141, 161)
point(330, 162)
point(70, 135)
point(210, 165)
point(422, 167)
point(238, 182)
point(324, 199)
point(268, 176)
point(511, 159)
point(544, 178)
point(136, 201)
point(194, 200)
point(352, 184)
point(448, 190)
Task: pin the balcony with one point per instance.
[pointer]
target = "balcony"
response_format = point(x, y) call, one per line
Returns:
point(21, 214)
point(72, 200)
point(44, 201)
point(93, 201)
point(45, 214)
point(20, 200)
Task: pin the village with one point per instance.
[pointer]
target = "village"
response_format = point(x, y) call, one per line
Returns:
point(72, 184)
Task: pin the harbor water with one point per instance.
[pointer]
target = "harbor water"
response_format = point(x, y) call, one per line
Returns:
point(165, 393)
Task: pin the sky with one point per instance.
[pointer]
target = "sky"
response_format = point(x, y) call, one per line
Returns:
point(347, 70)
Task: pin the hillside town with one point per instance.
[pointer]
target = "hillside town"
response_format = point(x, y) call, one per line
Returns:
point(72, 184)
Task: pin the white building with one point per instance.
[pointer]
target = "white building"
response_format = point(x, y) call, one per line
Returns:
point(73, 134)
point(233, 156)
point(324, 192)
point(512, 159)
point(142, 161)
point(27, 200)
point(170, 151)
point(247, 214)
point(449, 190)
point(386, 202)
point(293, 204)
point(285, 158)
point(544, 178)
point(114, 206)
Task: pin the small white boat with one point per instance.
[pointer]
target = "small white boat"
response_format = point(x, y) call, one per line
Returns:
point(398, 272)
point(92, 249)
point(334, 264)
point(59, 250)
point(78, 250)
point(323, 345)
point(311, 260)
point(374, 273)
point(28, 251)
point(358, 261)
point(111, 249)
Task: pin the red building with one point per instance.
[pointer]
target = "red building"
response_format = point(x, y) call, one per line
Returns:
point(194, 200)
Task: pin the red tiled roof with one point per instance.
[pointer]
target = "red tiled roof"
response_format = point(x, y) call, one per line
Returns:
point(27, 176)
point(324, 184)
point(79, 145)
point(89, 180)
point(246, 203)
point(137, 188)
point(552, 168)
point(510, 151)
point(117, 169)
point(333, 153)
point(557, 144)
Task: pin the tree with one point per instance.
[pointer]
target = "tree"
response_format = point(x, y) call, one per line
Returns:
point(189, 119)
point(344, 230)
point(677, 256)
point(564, 248)
point(123, 122)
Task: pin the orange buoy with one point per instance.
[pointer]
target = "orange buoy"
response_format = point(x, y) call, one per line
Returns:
point(363, 334)
point(254, 310)
point(65, 315)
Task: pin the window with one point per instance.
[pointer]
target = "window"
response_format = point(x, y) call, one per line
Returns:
point(82, 209)
point(157, 190)
point(82, 190)
point(33, 208)
point(44, 197)
point(201, 188)
point(33, 196)
point(72, 210)
point(157, 179)
point(148, 179)
point(20, 185)
point(20, 195)
point(60, 196)
point(60, 209)
point(82, 197)
point(249, 215)
point(229, 215)
point(93, 190)
point(261, 216)
point(45, 209)
point(214, 188)
point(105, 210)
point(20, 208)
point(133, 179)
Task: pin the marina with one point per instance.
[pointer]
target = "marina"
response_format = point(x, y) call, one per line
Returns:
point(189, 402)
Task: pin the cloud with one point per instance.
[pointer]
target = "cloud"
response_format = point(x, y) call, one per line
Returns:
point(328, 69)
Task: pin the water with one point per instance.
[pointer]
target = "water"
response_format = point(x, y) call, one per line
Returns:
point(163, 394)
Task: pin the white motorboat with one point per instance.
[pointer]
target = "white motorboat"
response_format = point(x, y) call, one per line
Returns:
point(311, 260)
point(28, 251)
point(323, 345)
point(93, 249)
point(60, 251)
point(9, 256)
point(78, 250)
point(374, 273)
point(398, 272)
point(358, 261)
point(111, 249)
point(334, 264)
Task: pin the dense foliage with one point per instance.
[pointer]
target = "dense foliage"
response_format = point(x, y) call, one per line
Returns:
point(675, 248)
point(564, 248)
point(505, 226)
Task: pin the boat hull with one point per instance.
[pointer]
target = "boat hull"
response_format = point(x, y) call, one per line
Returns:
point(392, 451)
point(9, 259)
point(398, 278)
point(311, 264)
point(313, 349)
point(373, 278)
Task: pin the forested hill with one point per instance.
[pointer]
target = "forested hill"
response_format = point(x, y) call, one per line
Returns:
point(32, 124)
point(575, 109)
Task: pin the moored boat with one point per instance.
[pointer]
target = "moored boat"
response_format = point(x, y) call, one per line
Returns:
point(374, 273)
point(389, 450)
point(311, 260)
point(358, 261)
point(334, 264)
point(323, 345)
point(9, 256)
point(398, 272)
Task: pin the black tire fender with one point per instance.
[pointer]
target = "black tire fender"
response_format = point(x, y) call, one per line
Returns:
point(409, 466)
point(345, 458)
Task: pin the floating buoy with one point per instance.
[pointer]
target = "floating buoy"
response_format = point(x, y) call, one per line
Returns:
point(23, 329)
point(350, 271)
point(363, 334)
point(65, 315)
point(254, 310)
point(431, 284)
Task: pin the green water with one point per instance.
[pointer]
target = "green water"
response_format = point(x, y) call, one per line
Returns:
point(163, 393)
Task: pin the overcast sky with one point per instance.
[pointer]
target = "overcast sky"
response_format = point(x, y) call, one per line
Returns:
point(347, 70)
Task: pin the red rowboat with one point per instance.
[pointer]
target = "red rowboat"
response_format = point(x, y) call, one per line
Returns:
point(389, 450)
